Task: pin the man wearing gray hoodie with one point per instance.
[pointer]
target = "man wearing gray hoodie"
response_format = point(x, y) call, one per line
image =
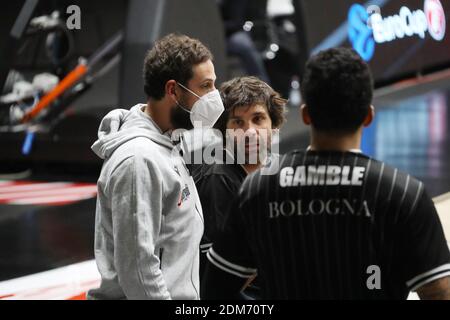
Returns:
point(149, 219)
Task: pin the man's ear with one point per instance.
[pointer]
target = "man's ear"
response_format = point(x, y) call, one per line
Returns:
point(370, 116)
point(304, 114)
point(171, 89)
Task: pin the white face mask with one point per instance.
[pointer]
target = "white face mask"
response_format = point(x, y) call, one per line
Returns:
point(206, 110)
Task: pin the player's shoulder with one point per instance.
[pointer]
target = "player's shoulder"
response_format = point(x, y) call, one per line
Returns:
point(394, 178)
point(394, 189)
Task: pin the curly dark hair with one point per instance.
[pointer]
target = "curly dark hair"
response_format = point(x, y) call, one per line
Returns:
point(337, 88)
point(248, 91)
point(172, 57)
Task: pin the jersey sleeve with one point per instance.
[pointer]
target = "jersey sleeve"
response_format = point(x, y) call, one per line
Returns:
point(423, 251)
point(216, 193)
point(231, 252)
point(230, 261)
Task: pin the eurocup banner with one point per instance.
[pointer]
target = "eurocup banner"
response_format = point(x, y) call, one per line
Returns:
point(397, 38)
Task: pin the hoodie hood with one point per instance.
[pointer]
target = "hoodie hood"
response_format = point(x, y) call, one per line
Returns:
point(120, 126)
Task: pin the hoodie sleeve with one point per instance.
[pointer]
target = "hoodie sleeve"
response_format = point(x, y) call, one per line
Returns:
point(136, 202)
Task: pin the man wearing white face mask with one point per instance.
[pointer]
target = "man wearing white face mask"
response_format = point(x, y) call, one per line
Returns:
point(149, 219)
point(206, 110)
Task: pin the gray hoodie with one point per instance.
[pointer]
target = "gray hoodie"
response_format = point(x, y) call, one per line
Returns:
point(149, 219)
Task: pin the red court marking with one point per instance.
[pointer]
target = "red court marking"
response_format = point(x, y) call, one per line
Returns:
point(81, 296)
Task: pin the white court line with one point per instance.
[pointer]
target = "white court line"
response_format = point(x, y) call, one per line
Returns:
point(55, 199)
point(60, 283)
point(38, 193)
point(32, 186)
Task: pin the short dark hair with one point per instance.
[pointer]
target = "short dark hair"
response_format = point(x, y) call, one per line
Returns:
point(337, 88)
point(172, 57)
point(248, 91)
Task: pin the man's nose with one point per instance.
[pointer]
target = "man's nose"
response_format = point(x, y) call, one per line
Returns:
point(251, 129)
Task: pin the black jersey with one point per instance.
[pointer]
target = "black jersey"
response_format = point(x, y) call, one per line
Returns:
point(332, 225)
point(217, 186)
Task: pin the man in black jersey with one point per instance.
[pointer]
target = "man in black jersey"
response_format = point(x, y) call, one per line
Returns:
point(254, 108)
point(332, 223)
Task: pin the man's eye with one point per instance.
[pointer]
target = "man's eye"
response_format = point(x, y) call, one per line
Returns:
point(258, 119)
point(238, 122)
